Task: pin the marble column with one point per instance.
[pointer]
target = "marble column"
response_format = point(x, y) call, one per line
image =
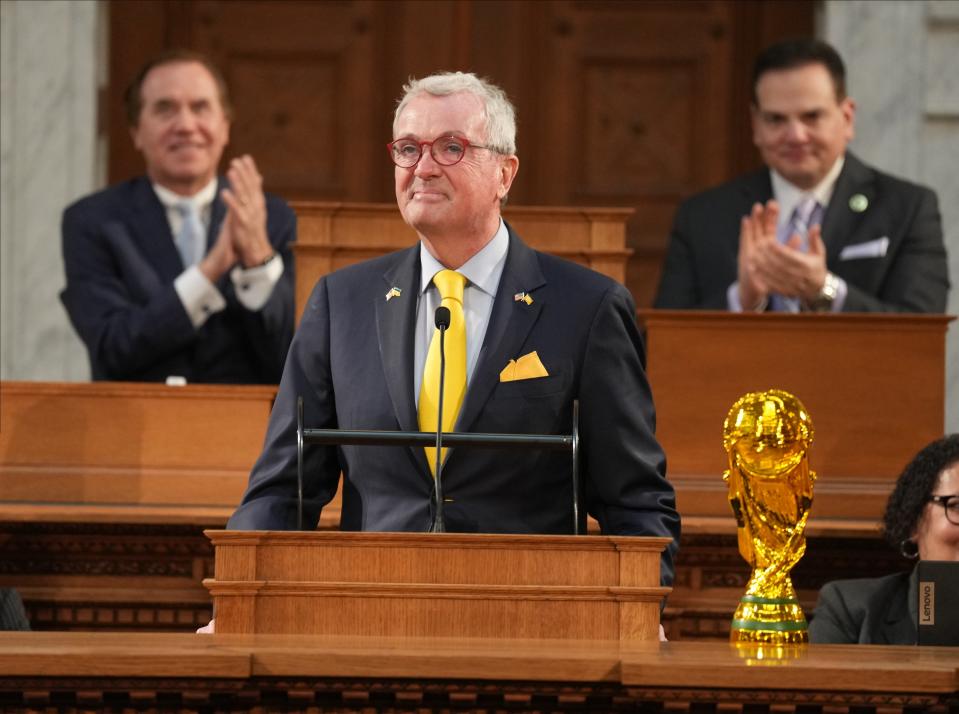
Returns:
point(48, 157)
point(901, 58)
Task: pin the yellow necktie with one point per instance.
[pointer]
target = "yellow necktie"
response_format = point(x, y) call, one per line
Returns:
point(450, 284)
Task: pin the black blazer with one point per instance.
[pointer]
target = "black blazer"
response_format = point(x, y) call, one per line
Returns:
point(352, 362)
point(912, 276)
point(121, 261)
point(867, 611)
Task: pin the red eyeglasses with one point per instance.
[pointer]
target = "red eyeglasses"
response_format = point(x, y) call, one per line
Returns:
point(446, 151)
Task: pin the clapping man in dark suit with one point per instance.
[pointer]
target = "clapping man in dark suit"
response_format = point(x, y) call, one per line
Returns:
point(180, 273)
point(817, 229)
point(530, 333)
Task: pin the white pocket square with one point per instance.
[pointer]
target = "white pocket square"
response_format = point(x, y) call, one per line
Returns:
point(870, 249)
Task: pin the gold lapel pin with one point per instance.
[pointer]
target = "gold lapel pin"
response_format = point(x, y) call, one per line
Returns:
point(523, 297)
point(394, 292)
point(858, 203)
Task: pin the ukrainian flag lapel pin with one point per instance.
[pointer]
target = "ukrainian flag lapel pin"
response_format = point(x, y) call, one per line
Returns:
point(393, 292)
point(523, 297)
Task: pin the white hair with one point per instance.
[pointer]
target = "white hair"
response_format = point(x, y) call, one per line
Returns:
point(497, 108)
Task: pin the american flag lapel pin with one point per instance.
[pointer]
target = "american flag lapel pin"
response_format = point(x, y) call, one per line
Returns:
point(393, 292)
point(523, 297)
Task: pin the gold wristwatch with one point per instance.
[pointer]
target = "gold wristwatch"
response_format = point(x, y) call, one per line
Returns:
point(827, 293)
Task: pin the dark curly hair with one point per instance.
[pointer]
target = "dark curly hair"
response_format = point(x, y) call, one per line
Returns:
point(915, 486)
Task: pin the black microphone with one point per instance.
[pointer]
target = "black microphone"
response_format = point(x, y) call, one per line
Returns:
point(442, 320)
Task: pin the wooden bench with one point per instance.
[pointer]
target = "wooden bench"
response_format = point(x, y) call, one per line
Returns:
point(127, 453)
point(105, 490)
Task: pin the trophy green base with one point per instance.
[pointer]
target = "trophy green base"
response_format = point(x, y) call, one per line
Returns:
point(770, 621)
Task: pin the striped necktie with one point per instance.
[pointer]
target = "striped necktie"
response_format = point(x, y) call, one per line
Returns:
point(808, 212)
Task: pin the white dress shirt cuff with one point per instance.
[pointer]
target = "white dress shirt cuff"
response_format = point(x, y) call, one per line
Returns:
point(255, 285)
point(732, 297)
point(199, 296)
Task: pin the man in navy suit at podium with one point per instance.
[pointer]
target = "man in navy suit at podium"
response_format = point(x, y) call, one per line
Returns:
point(180, 273)
point(529, 334)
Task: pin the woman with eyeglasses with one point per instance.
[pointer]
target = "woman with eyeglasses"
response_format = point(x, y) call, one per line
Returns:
point(922, 521)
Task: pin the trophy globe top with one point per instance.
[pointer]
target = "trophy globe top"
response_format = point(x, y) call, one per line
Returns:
point(768, 433)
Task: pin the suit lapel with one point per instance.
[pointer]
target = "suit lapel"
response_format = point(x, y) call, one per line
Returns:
point(396, 325)
point(151, 230)
point(510, 323)
point(757, 187)
point(841, 222)
point(899, 623)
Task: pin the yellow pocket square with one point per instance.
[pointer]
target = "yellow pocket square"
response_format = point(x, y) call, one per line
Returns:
point(526, 367)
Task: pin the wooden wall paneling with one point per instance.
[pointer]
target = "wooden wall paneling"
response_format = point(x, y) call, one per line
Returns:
point(137, 30)
point(505, 43)
point(302, 76)
point(418, 38)
point(627, 95)
point(757, 24)
point(633, 104)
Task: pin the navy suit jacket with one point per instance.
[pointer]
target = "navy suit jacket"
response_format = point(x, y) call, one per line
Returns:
point(867, 611)
point(701, 261)
point(352, 362)
point(121, 261)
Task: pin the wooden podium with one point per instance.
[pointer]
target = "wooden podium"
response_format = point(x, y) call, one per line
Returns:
point(437, 585)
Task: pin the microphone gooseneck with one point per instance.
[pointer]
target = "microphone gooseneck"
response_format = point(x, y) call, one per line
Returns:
point(442, 319)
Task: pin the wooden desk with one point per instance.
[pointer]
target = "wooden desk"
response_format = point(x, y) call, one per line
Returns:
point(105, 490)
point(333, 235)
point(126, 452)
point(873, 384)
point(288, 673)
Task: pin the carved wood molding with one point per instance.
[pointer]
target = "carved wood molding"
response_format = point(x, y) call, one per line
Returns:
point(393, 695)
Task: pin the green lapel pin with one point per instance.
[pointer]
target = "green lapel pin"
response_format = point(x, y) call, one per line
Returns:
point(858, 203)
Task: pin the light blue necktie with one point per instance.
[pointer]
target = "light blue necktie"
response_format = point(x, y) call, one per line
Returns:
point(808, 212)
point(191, 240)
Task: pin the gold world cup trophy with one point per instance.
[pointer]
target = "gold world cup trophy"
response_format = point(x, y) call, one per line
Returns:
point(767, 436)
